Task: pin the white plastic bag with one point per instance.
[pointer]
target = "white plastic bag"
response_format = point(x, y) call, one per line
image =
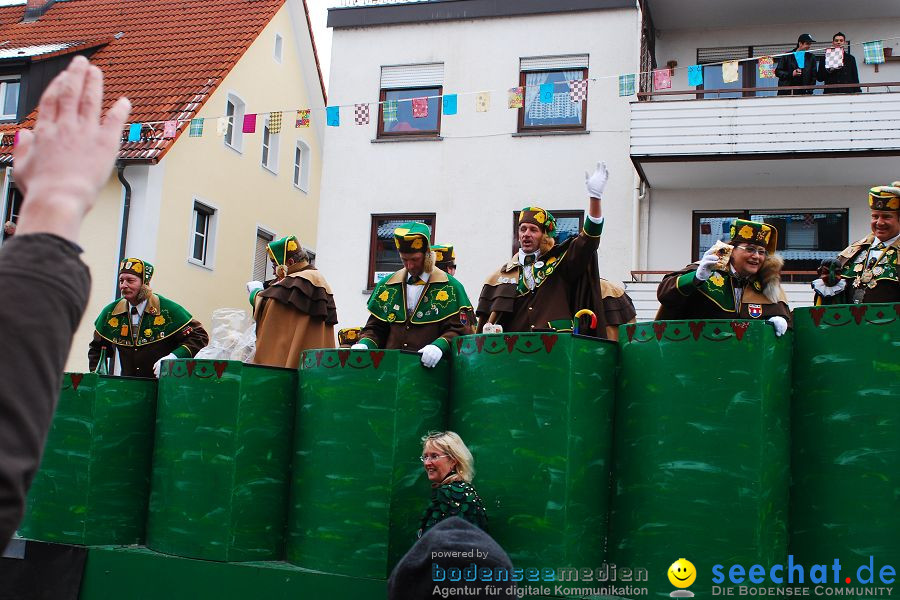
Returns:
point(232, 336)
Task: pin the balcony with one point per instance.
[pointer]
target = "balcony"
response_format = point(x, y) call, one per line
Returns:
point(681, 142)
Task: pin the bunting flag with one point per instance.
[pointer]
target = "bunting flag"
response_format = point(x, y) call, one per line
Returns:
point(302, 118)
point(134, 132)
point(578, 90)
point(546, 93)
point(389, 112)
point(483, 102)
point(333, 116)
point(275, 122)
point(361, 114)
point(766, 69)
point(222, 125)
point(662, 79)
point(730, 71)
point(420, 108)
point(515, 97)
point(834, 58)
point(873, 52)
point(695, 75)
point(450, 101)
point(169, 129)
point(249, 123)
point(626, 84)
point(800, 57)
point(196, 128)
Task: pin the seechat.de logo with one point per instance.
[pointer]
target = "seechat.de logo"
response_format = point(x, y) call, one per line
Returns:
point(682, 574)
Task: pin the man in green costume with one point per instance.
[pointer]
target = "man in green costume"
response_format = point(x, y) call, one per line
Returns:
point(143, 327)
point(418, 307)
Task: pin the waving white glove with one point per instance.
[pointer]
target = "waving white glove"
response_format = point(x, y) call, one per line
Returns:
point(431, 355)
point(707, 264)
point(780, 325)
point(596, 183)
point(252, 286)
point(158, 364)
point(359, 347)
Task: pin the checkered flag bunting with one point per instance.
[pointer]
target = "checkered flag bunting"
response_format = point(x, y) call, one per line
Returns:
point(361, 114)
point(275, 122)
point(578, 90)
point(834, 58)
point(874, 52)
point(196, 129)
point(389, 111)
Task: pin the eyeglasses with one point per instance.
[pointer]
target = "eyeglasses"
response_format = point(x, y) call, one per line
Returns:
point(432, 457)
point(753, 250)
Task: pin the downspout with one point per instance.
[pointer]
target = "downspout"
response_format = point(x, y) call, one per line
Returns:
point(126, 209)
point(640, 192)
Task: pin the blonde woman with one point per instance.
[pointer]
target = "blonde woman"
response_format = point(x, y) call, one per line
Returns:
point(450, 469)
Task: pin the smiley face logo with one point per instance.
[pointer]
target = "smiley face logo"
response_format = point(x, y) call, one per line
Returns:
point(682, 573)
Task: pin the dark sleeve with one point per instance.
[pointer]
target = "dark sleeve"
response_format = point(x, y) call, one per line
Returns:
point(783, 68)
point(676, 288)
point(500, 298)
point(38, 340)
point(451, 327)
point(376, 331)
point(195, 338)
point(853, 74)
point(582, 250)
point(95, 347)
point(820, 75)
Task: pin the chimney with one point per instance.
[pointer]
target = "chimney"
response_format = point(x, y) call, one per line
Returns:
point(35, 9)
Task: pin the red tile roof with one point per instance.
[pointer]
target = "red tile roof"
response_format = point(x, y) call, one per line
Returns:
point(166, 56)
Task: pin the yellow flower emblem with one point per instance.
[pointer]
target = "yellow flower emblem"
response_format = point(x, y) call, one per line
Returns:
point(392, 317)
point(160, 320)
point(148, 332)
point(416, 243)
point(138, 268)
point(539, 217)
point(550, 260)
point(717, 280)
point(438, 256)
point(114, 322)
point(893, 203)
point(746, 232)
point(124, 330)
point(351, 335)
point(442, 296)
point(292, 246)
point(383, 296)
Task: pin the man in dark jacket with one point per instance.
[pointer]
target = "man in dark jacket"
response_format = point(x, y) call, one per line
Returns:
point(790, 71)
point(845, 73)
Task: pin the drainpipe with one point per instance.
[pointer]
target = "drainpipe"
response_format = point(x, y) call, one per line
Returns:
point(126, 209)
point(640, 192)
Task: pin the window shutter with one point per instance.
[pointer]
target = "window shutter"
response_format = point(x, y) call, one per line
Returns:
point(546, 63)
point(707, 56)
point(405, 76)
point(261, 258)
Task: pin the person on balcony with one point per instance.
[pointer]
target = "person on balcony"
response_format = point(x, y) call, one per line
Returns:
point(845, 73)
point(870, 264)
point(545, 283)
point(742, 281)
point(417, 308)
point(797, 68)
point(296, 312)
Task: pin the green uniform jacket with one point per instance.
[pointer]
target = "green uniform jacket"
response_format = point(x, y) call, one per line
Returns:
point(885, 286)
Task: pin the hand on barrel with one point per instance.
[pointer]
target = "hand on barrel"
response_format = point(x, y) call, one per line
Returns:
point(157, 366)
point(780, 325)
point(431, 355)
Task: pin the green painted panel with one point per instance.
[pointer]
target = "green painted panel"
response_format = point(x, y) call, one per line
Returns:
point(535, 409)
point(702, 448)
point(358, 488)
point(845, 499)
point(94, 478)
point(221, 461)
point(140, 574)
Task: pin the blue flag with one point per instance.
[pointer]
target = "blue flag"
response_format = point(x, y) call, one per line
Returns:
point(801, 59)
point(695, 75)
point(449, 104)
point(546, 93)
point(333, 116)
point(134, 132)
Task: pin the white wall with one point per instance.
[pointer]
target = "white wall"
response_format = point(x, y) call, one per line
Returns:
point(478, 174)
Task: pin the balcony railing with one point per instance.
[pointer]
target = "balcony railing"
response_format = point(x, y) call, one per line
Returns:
point(746, 92)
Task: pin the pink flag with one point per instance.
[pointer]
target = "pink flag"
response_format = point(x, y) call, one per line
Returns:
point(169, 129)
point(420, 107)
point(662, 79)
point(249, 124)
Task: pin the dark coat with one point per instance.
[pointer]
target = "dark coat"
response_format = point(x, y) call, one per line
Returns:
point(846, 74)
point(784, 70)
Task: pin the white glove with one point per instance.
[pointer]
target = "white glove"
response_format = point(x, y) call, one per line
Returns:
point(431, 354)
point(158, 364)
point(252, 286)
point(597, 182)
point(359, 347)
point(780, 325)
point(707, 264)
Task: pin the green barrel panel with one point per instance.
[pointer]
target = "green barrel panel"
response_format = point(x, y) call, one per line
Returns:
point(845, 498)
point(358, 488)
point(222, 460)
point(702, 451)
point(536, 411)
point(94, 479)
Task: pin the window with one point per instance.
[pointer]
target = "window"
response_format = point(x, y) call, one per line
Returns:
point(555, 71)
point(234, 111)
point(9, 95)
point(203, 231)
point(301, 166)
point(568, 225)
point(270, 148)
point(279, 44)
point(805, 236)
point(261, 254)
point(13, 206)
point(383, 256)
point(400, 85)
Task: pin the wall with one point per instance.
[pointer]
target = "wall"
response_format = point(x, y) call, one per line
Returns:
point(479, 173)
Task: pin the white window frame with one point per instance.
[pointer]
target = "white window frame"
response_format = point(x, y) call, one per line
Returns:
point(278, 51)
point(234, 136)
point(4, 81)
point(270, 146)
point(209, 236)
point(300, 173)
point(261, 232)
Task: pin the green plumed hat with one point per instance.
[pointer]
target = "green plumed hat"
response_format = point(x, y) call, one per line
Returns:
point(138, 267)
point(444, 256)
point(540, 217)
point(280, 250)
point(885, 197)
point(348, 335)
point(751, 232)
point(413, 237)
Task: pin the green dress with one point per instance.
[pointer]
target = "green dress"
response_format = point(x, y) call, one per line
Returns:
point(454, 499)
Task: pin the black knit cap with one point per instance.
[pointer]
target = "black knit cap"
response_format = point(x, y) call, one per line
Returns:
point(415, 576)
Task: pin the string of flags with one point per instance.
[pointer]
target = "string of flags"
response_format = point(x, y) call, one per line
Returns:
point(547, 93)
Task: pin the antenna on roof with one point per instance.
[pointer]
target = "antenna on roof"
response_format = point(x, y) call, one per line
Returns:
point(119, 35)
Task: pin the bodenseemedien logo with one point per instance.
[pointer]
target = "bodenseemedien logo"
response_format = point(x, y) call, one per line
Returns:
point(682, 574)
